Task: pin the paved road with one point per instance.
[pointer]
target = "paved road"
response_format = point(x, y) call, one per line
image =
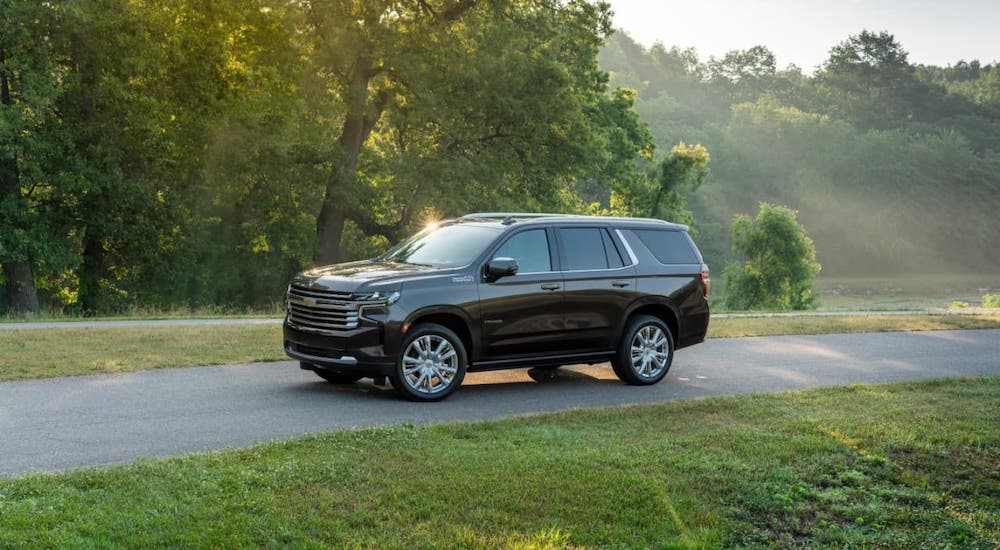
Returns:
point(65, 422)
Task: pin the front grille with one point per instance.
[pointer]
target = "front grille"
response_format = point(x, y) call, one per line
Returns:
point(321, 310)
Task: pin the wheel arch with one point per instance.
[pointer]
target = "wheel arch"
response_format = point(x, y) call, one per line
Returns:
point(454, 319)
point(662, 309)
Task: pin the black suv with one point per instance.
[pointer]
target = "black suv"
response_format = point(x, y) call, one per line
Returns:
point(503, 290)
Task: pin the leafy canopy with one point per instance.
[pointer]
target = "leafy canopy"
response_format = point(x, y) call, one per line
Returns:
point(779, 262)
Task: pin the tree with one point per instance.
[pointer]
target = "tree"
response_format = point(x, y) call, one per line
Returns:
point(779, 262)
point(445, 106)
point(685, 167)
point(869, 81)
point(30, 135)
point(745, 73)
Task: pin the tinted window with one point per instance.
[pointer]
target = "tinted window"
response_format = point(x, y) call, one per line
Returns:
point(530, 249)
point(584, 249)
point(669, 247)
point(450, 245)
point(614, 257)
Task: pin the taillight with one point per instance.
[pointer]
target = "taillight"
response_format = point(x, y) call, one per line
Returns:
point(706, 282)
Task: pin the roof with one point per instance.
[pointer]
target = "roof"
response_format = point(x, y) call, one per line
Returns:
point(542, 217)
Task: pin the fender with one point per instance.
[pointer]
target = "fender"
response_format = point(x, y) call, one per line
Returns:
point(471, 326)
point(647, 301)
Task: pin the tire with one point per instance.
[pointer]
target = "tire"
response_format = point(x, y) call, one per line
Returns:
point(431, 365)
point(654, 351)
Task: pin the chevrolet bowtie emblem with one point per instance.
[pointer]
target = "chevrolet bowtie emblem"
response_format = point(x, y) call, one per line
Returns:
point(309, 301)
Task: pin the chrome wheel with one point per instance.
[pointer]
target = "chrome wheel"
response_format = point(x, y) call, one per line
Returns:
point(649, 352)
point(430, 364)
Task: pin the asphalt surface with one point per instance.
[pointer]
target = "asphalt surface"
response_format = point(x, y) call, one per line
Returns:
point(62, 423)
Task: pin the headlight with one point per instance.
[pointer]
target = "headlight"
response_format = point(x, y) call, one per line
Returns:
point(378, 296)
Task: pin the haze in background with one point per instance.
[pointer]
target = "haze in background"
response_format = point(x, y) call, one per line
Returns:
point(802, 32)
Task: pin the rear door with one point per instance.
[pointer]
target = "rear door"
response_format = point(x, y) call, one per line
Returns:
point(600, 283)
point(523, 314)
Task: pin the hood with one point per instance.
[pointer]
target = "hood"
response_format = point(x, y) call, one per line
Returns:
point(352, 276)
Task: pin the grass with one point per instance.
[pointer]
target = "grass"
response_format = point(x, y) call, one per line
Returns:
point(920, 292)
point(44, 353)
point(771, 326)
point(153, 313)
point(901, 465)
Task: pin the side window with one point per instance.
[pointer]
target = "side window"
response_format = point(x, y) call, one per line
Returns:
point(669, 247)
point(530, 249)
point(614, 257)
point(584, 248)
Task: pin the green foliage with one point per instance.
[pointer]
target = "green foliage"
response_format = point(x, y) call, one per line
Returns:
point(958, 304)
point(991, 301)
point(893, 167)
point(174, 153)
point(779, 262)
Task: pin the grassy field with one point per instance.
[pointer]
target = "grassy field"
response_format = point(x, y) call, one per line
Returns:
point(770, 326)
point(42, 353)
point(899, 293)
point(143, 313)
point(902, 465)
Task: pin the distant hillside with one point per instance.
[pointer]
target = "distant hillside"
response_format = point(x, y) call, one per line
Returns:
point(895, 168)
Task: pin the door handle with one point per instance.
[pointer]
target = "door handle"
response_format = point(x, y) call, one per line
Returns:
point(620, 284)
point(550, 286)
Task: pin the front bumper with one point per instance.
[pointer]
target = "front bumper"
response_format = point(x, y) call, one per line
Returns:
point(360, 350)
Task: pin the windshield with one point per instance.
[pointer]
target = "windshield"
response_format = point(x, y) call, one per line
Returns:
point(448, 246)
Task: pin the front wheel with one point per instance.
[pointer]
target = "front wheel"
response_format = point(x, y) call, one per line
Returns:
point(645, 351)
point(432, 364)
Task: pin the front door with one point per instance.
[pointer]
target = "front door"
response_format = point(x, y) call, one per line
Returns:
point(522, 314)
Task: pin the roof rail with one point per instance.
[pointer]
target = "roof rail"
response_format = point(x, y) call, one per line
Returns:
point(503, 215)
point(511, 217)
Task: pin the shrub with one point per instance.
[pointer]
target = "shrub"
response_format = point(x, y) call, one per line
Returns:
point(958, 304)
point(991, 301)
point(779, 262)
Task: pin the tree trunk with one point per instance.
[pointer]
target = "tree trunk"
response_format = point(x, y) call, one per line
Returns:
point(91, 273)
point(22, 297)
point(329, 230)
point(357, 126)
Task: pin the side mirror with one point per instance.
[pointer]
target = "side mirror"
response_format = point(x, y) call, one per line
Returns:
point(500, 267)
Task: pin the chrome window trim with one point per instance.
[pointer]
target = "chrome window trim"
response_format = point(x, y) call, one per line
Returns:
point(593, 270)
point(628, 247)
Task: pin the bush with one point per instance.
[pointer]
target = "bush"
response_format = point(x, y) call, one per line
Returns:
point(779, 262)
point(991, 301)
point(958, 304)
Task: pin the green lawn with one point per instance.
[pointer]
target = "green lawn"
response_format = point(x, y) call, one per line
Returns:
point(902, 465)
point(770, 326)
point(41, 353)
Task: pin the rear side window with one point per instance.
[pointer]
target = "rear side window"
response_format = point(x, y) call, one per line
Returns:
point(614, 257)
point(669, 247)
point(589, 248)
point(530, 249)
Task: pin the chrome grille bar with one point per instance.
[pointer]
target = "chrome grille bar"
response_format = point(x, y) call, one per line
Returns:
point(320, 310)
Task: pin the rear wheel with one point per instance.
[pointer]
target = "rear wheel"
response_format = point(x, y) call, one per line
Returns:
point(432, 364)
point(645, 351)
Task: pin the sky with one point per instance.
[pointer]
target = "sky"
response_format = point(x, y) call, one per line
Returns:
point(803, 31)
